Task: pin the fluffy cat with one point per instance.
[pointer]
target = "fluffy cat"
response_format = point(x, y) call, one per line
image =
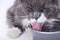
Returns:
point(24, 12)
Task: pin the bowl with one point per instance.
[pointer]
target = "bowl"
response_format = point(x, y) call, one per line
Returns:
point(45, 35)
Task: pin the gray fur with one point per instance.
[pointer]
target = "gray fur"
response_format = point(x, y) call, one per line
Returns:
point(29, 9)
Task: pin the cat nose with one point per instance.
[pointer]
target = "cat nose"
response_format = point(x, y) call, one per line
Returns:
point(36, 18)
point(36, 15)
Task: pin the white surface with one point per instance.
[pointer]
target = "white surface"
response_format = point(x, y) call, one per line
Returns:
point(4, 5)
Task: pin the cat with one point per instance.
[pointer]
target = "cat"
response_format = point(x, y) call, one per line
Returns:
point(23, 12)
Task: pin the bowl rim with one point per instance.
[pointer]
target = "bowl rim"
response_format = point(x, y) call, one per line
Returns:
point(46, 32)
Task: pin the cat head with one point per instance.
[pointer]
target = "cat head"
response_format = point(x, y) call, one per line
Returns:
point(34, 8)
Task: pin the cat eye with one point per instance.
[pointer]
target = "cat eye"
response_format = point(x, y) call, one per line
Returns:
point(29, 9)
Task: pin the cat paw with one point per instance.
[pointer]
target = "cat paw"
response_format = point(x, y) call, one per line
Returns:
point(14, 32)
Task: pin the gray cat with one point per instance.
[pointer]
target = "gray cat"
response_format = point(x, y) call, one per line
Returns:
point(24, 12)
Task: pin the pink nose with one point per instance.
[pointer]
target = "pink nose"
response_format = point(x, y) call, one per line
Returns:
point(36, 26)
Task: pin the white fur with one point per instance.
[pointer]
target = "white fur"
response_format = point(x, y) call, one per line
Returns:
point(32, 20)
point(14, 32)
point(42, 18)
point(25, 23)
